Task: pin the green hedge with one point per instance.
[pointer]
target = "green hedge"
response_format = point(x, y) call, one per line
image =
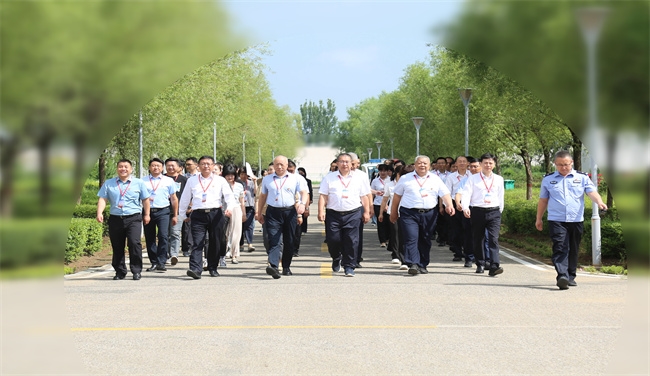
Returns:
point(28, 242)
point(519, 218)
point(90, 211)
point(84, 238)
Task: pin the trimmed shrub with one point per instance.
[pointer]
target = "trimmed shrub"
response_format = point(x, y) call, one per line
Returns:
point(95, 234)
point(26, 242)
point(77, 239)
point(90, 211)
point(519, 217)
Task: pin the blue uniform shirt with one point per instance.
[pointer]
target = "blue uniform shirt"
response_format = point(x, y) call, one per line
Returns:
point(128, 195)
point(160, 189)
point(281, 190)
point(565, 194)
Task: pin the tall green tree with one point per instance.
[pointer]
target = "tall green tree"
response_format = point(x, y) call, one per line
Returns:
point(318, 119)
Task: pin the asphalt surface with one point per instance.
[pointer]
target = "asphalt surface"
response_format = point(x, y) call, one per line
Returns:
point(382, 321)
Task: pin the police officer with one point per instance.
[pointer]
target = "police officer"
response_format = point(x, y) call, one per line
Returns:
point(278, 192)
point(124, 194)
point(483, 202)
point(416, 197)
point(562, 193)
point(163, 208)
point(343, 205)
point(207, 193)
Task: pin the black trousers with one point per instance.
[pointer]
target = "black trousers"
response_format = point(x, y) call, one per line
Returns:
point(456, 232)
point(486, 219)
point(281, 228)
point(342, 235)
point(383, 228)
point(127, 230)
point(566, 237)
point(212, 225)
point(468, 239)
point(395, 245)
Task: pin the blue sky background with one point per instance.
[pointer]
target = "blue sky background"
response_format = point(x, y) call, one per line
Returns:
point(343, 51)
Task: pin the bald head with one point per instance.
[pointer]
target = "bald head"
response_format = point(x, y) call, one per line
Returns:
point(280, 165)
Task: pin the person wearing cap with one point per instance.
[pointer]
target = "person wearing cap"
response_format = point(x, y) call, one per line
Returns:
point(343, 205)
point(415, 197)
point(207, 193)
point(278, 192)
point(129, 200)
point(563, 194)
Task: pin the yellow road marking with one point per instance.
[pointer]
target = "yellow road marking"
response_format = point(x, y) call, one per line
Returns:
point(236, 327)
point(325, 270)
point(323, 247)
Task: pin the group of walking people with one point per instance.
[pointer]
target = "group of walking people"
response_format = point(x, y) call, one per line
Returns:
point(458, 203)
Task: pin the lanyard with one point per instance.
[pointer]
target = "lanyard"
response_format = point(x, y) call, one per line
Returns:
point(417, 179)
point(486, 187)
point(206, 188)
point(151, 182)
point(281, 185)
point(382, 183)
point(346, 186)
point(120, 187)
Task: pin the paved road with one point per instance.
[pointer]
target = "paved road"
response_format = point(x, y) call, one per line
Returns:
point(382, 321)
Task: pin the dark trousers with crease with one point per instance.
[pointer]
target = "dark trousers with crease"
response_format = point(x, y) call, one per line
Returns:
point(342, 235)
point(281, 228)
point(157, 251)
point(417, 230)
point(210, 225)
point(566, 237)
point(127, 230)
point(482, 220)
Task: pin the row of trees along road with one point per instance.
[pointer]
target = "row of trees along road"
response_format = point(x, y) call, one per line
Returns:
point(505, 119)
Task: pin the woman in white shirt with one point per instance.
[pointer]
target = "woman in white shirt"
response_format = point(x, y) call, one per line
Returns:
point(233, 233)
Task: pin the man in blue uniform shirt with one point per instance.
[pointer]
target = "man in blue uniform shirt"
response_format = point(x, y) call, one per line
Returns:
point(125, 193)
point(562, 193)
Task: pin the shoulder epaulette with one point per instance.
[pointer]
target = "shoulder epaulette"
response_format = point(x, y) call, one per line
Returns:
point(549, 174)
point(580, 172)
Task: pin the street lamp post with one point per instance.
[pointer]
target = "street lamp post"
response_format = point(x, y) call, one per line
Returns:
point(417, 121)
point(591, 21)
point(243, 148)
point(141, 174)
point(259, 161)
point(378, 143)
point(392, 153)
point(369, 154)
point(466, 97)
point(214, 141)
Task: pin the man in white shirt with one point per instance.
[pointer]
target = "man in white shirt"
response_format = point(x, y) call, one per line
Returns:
point(456, 235)
point(343, 205)
point(354, 169)
point(483, 202)
point(278, 191)
point(441, 168)
point(206, 193)
point(416, 195)
point(377, 187)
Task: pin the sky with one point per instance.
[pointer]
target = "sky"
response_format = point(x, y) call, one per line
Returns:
point(344, 51)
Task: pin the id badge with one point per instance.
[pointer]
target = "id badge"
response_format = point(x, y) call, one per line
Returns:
point(152, 196)
point(488, 198)
point(204, 197)
point(344, 193)
point(178, 186)
point(423, 192)
point(120, 204)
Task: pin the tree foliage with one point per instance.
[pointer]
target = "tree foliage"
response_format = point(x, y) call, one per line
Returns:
point(318, 119)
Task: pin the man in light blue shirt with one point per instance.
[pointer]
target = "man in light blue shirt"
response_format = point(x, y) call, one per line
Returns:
point(562, 193)
point(129, 200)
point(163, 202)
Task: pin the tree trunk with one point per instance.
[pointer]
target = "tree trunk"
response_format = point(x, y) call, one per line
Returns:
point(8, 153)
point(548, 156)
point(610, 198)
point(576, 144)
point(78, 178)
point(529, 174)
point(102, 168)
point(44, 146)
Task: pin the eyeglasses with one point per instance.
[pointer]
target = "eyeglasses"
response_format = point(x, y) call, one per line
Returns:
point(206, 164)
point(563, 165)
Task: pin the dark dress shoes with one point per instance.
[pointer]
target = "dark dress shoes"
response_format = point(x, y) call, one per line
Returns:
point(286, 271)
point(193, 274)
point(273, 272)
point(118, 277)
point(480, 269)
point(137, 276)
point(214, 273)
point(495, 271)
point(563, 283)
point(152, 268)
point(161, 268)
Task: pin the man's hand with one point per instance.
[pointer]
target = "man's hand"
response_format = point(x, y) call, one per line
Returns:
point(146, 219)
point(467, 213)
point(539, 225)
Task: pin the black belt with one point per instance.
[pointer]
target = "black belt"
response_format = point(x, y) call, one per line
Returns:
point(206, 210)
point(420, 210)
point(282, 208)
point(153, 210)
point(347, 212)
point(125, 216)
point(484, 209)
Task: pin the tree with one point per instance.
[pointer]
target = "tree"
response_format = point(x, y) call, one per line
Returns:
point(318, 120)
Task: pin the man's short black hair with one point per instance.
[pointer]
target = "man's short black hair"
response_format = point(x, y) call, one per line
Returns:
point(488, 156)
point(124, 160)
point(156, 159)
